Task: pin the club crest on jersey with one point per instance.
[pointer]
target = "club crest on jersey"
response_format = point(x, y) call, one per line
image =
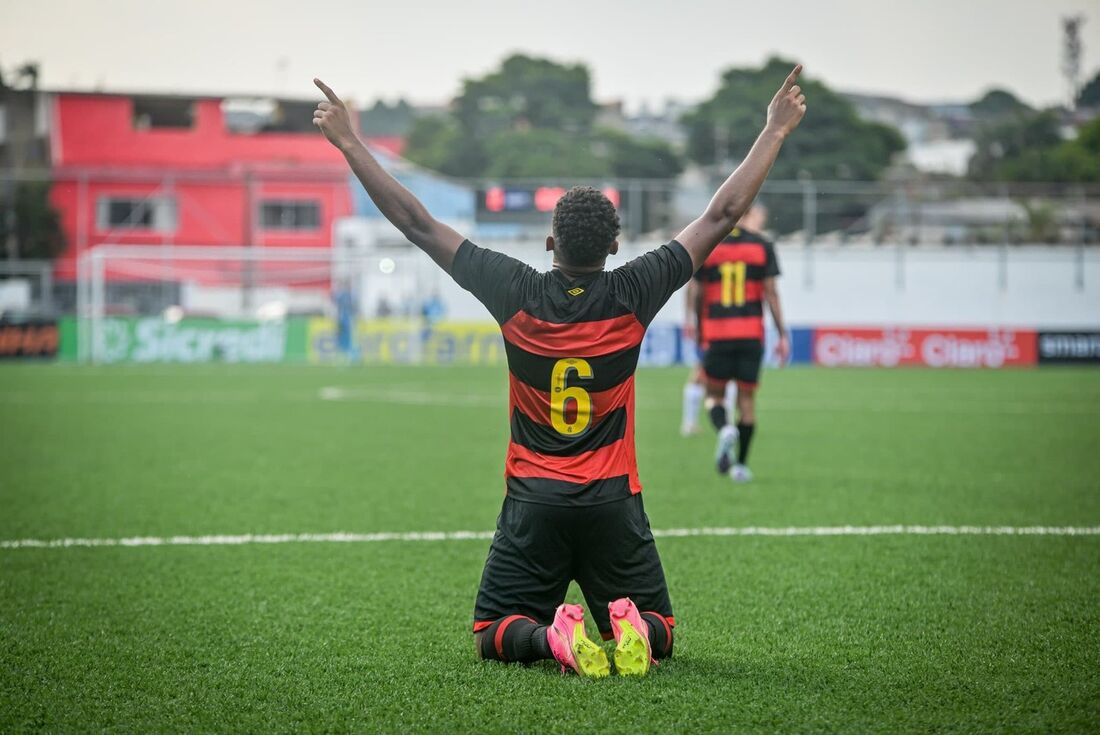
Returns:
point(575, 291)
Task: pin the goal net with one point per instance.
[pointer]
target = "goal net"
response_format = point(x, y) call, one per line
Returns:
point(248, 304)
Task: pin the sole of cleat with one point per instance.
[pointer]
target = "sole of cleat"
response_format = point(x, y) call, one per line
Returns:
point(722, 460)
point(724, 464)
point(590, 658)
point(631, 653)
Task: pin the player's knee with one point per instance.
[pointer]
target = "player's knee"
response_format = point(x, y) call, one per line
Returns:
point(746, 399)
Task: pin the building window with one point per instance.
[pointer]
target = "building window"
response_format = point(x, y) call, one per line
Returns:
point(279, 215)
point(248, 116)
point(163, 112)
point(136, 213)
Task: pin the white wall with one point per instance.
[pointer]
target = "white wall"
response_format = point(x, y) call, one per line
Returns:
point(942, 286)
point(1024, 286)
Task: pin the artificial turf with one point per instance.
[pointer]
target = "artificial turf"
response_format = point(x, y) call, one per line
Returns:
point(839, 633)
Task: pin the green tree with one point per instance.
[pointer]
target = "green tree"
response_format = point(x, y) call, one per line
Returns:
point(1010, 139)
point(1032, 149)
point(998, 103)
point(527, 92)
point(638, 158)
point(1090, 93)
point(30, 228)
point(539, 153)
point(832, 141)
point(439, 143)
point(383, 119)
point(533, 118)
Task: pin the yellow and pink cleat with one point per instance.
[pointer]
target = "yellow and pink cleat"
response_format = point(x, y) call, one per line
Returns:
point(632, 651)
point(571, 646)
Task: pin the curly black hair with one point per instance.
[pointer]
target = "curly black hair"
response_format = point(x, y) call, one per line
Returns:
point(585, 225)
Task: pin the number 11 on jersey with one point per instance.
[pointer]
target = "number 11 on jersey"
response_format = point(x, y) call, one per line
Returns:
point(733, 283)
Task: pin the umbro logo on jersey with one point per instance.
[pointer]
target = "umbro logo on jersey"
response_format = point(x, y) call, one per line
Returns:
point(575, 291)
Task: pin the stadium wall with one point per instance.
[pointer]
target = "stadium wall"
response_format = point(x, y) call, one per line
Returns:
point(1019, 287)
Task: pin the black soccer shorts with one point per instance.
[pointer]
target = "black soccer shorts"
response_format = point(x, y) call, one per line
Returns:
point(537, 549)
point(734, 359)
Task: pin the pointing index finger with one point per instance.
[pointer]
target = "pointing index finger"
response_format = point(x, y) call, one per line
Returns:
point(327, 91)
point(792, 78)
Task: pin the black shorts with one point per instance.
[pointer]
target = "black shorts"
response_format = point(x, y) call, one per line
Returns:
point(734, 359)
point(537, 549)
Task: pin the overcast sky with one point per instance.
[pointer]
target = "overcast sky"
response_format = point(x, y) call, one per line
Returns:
point(927, 50)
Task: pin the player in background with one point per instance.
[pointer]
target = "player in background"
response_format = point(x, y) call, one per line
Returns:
point(572, 508)
point(736, 280)
point(695, 390)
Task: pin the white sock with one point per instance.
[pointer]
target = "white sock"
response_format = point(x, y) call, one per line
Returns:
point(731, 399)
point(693, 398)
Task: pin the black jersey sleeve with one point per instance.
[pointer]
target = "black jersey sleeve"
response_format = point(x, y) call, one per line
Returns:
point(646, 283)
point(498, 281)
point(771, 262)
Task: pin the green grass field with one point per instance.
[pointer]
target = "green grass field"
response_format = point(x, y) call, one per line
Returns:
point(840, 633)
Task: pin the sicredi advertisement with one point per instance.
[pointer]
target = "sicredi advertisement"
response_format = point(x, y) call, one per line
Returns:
point(189, 340)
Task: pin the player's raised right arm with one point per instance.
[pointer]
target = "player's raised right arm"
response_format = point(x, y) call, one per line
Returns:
point(396, 203)
point(735, 196)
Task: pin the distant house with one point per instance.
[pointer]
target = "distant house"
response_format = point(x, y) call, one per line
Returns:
point(191, 170)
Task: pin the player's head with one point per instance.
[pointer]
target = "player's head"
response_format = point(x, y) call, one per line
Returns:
point(584, 229)
point(754, 219)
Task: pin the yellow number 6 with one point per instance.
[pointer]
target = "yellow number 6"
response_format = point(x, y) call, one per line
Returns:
point(559, 394)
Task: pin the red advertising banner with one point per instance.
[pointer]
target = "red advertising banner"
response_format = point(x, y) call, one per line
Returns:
point(949, 348)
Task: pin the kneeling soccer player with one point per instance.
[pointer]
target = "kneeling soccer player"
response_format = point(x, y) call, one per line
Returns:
point(572, 336)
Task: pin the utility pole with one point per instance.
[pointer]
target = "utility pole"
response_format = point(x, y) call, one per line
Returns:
point(1071, 55)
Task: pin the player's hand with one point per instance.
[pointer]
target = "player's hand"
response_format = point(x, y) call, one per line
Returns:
point(333, 118)
point(689, 331)
point(782, 350)
point(788, 106)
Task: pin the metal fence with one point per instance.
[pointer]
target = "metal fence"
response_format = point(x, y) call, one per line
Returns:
point(912, 212)
point(908, 211)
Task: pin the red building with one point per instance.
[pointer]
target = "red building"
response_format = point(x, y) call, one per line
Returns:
point(175, 170)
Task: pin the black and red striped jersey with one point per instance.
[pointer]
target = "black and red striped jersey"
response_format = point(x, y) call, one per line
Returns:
point(572, 347)
point(733, 287)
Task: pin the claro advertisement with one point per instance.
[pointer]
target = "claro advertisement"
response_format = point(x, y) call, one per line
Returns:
point(938, 348)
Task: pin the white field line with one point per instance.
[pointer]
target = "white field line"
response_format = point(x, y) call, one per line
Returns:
point(417, 395)
point(790, 531)
point(400, 395)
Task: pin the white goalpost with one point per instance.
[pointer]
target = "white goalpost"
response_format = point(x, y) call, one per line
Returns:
point(234, 300)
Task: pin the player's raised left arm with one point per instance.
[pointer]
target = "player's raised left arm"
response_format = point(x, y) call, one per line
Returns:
point(396, 203)
point(736, 195)
point(771, 295)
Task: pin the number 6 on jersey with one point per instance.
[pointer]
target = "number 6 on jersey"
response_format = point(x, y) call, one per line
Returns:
point(559, 394)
